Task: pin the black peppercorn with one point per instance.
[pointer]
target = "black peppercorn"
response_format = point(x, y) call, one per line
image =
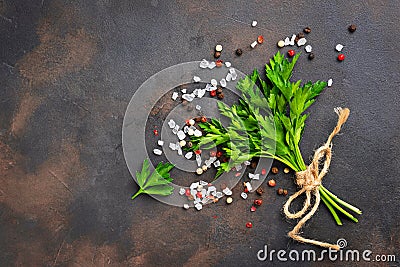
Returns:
point(311, 56)
point(300, 35)
point(239, 52)
point(220, 96)
point(217, 54)
point(307, 30)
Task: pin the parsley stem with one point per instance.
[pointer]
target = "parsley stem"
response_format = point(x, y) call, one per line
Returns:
point(140, 191)
point(335, 205)
point(341, 202)
point(332, 210)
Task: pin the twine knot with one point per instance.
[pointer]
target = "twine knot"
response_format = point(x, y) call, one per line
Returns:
point(309, 181)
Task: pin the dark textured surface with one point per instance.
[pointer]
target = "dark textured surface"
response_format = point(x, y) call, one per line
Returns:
point(68, 70)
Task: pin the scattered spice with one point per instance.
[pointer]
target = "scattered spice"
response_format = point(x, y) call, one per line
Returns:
point(307, 30)
point(229, 200)
point(217, 54)
point(340, 57)
point(213, 153)
point(249, 225)
point(219, 154)
point(189, 144)
point(286, 170)
point(203, 119)
point(246, 190)
point(198, 152)
point(219, 63)
point(279, 191)
point(213, 93)
point(281, 43)
point(199, 171)
point(260, 191)
point(253, 208)
point(155, 132)
point(291, 53)
point(272, 183)
point(274, 170)
point(258, 202)
point(218, 48)
point(253, 165)
point(352, 28)
point(220, 96)
point(260, 39)
point(311, 56)
point(263, 171)
point(300, 35)
point(239, 52)
point(219, 89)
point(285, 192)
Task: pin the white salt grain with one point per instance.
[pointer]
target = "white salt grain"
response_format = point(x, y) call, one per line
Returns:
point(308, 48)
point(254, 23)
point(228, 64)
point(160, 142)
point(157, 151)
point(253, 44)
point(189, 155)
point(301, 41)
point(174, 95)
point(339, 47)
point(330, 81)
point(196, 79)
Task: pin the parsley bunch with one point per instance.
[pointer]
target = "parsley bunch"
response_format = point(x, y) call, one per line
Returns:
point(268, 121)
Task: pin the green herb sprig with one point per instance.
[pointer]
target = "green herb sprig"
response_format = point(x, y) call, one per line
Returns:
point(157, 183)
point(276, 102)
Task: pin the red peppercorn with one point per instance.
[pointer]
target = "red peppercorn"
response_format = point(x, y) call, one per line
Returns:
point(213, 93)
point(340, 57)
point(155, 132)
point(258, 202)
point(291, 53)
point(271, 183)
point(187, 192)
point(219, 154)
point(213, 153)
point(203, 119)
point(187, 122)
point(246, 190)
point(199, 195)
point(260, 39)
point(249, 225)
point(253, 208)
point(198, 152)
point(219, 63)
point(263, 171)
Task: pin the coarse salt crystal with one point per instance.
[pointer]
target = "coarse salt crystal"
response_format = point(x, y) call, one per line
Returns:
point(198, 160)
point(301, 41)
point(308, 48)
point(217, 164)
point(190, 132)
point(196, 79)
point(227, 191)
point(247, 163)
point(186, 206)
point(198, 206)
point(172, 146)
point(197, 133)
point(292, 39)
point(228, 77)
point(222, 82)
point(214, 82)
point(253, 44)
point(180, 152)
point(228, 64)
point(204, 64)
point(238, 167)
point(287, 41)
point(182, 191)
point(243, 195)
point(194, 185)
point(171, 124)
point(203, 183)
point(339, 47)
point(211, 65)
point(176, 129)
point(211, 189)
point(254, 176)
point(160, 142)
point(184, 91)
point(174, 95)
point(157, 151)
point(181, 135)
point(198, 107)
point(248, 186)
point(189, 155)
point(254, 23)
point(330, 81)
point(201, 93)
point(188, 97)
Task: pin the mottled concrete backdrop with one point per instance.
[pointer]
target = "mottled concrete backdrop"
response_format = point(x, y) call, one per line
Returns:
point(67, 72)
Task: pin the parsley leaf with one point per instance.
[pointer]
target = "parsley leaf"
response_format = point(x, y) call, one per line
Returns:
point(157, 182)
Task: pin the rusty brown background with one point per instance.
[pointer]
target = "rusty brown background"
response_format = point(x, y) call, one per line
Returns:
point(68, 70)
